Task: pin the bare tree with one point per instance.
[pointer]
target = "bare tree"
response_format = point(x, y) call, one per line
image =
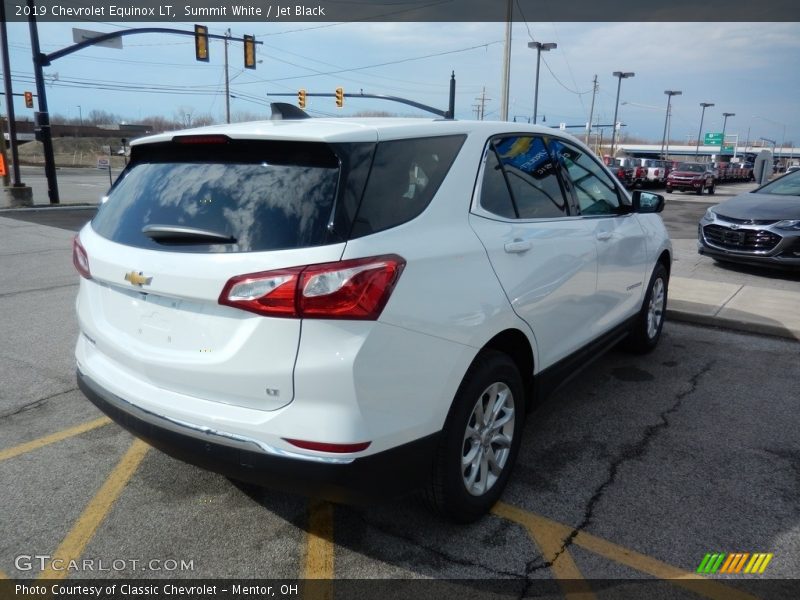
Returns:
point(101, 117)
point(241, 116)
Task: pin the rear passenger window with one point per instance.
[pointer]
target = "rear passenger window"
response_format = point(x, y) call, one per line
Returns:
point(495, 196)
point(404, 177)
point(529, 175)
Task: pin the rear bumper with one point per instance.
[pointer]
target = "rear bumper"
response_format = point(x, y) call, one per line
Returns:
point(353, 481)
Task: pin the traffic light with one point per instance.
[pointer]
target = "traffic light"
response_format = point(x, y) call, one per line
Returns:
point(249, 52)
point(301, 98)
point(201, 42)
point(28, 99)
point(339, 97)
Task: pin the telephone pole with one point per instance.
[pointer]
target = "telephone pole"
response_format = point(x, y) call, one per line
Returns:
point(591, 111)
point(480, 106)
point(227, 81)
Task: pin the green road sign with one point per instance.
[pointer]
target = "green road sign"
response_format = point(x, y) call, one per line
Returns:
point(727, 149)
point(713, 139)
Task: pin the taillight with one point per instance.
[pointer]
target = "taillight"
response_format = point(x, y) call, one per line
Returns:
point(639, 171)
point(347, 289)
point(201, 139)
point(80, 259)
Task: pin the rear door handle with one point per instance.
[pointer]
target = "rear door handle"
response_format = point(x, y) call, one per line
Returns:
point(604, 235)
point(518, 246)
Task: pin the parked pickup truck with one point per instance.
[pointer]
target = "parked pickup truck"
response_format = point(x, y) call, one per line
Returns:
point(653, 171)
point(624, 170)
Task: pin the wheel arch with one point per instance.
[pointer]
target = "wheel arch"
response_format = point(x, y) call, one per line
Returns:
point(665, 258)
point(516, 345)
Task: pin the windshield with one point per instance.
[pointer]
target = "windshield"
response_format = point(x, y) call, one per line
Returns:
point(788, 185)
point(691, 167)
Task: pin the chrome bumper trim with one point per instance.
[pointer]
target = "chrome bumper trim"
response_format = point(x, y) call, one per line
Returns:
point(203, 432)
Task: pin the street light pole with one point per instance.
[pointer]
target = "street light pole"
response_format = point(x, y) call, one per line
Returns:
point(80, 114)
point(540, 47)
point(705, 105)
point(783, 139)
point(664, 141)
point(620, 75)
point(724, 124)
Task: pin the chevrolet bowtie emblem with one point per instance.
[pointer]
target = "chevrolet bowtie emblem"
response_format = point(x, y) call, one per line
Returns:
point(137, 279)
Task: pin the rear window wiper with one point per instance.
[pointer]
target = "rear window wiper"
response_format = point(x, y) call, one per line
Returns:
point(177, 234)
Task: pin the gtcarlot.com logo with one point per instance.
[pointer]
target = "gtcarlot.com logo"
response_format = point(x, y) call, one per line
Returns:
point(43, 562)
point(721, 562)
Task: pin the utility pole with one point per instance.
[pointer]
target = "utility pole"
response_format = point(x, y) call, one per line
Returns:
point(506, 63)
point(43, 120)
point(227, 81)
point(480, 107)
point(591, 111)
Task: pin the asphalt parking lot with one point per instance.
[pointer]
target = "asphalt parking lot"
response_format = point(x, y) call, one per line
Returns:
point(637, 468)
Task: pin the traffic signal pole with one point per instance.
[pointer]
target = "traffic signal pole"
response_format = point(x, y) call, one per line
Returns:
point(41, 60)
point(43, 116)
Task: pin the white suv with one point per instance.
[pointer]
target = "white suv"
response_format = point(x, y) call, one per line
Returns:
point(355, 308)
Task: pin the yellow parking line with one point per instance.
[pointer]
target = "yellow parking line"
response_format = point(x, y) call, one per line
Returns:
point(319, 551)
point(3, 575)
point(53, 438)
point(93, 515)
point(319, 542)
point(691, 581)
point(550, 536)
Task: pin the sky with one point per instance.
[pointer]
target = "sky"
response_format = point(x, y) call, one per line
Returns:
point(749, 69)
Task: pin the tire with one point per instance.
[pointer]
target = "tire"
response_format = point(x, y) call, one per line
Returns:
point(646, 331)
point(463, 485)
point(699, 191)
point(668, 190)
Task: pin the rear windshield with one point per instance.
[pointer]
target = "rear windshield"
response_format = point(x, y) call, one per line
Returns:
point(252, 196)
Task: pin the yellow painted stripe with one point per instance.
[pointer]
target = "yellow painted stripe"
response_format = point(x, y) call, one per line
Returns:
point(319, 552)
point(73, 545)
point(728, 562)
point(550, 536)
point(753, 560)
point(53, 438)
point(741, 562)
point(3, 575)
point(757, 564)
point(767, 558)
point(698, 584)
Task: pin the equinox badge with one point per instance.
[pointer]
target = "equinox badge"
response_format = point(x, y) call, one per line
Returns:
point(137, 279)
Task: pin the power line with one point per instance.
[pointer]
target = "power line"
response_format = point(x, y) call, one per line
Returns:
point(391, 62)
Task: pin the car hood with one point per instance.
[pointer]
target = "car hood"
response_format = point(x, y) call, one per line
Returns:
point(687, 173)
point(760, 207)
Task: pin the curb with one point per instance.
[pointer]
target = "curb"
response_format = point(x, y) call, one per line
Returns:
point(732, 324)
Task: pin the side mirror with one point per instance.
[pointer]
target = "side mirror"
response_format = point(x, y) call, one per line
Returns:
point(646, 202)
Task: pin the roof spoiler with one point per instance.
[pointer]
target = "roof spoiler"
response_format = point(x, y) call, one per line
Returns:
point(283, 111)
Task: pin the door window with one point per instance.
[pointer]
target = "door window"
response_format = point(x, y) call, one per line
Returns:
point(594, 188)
